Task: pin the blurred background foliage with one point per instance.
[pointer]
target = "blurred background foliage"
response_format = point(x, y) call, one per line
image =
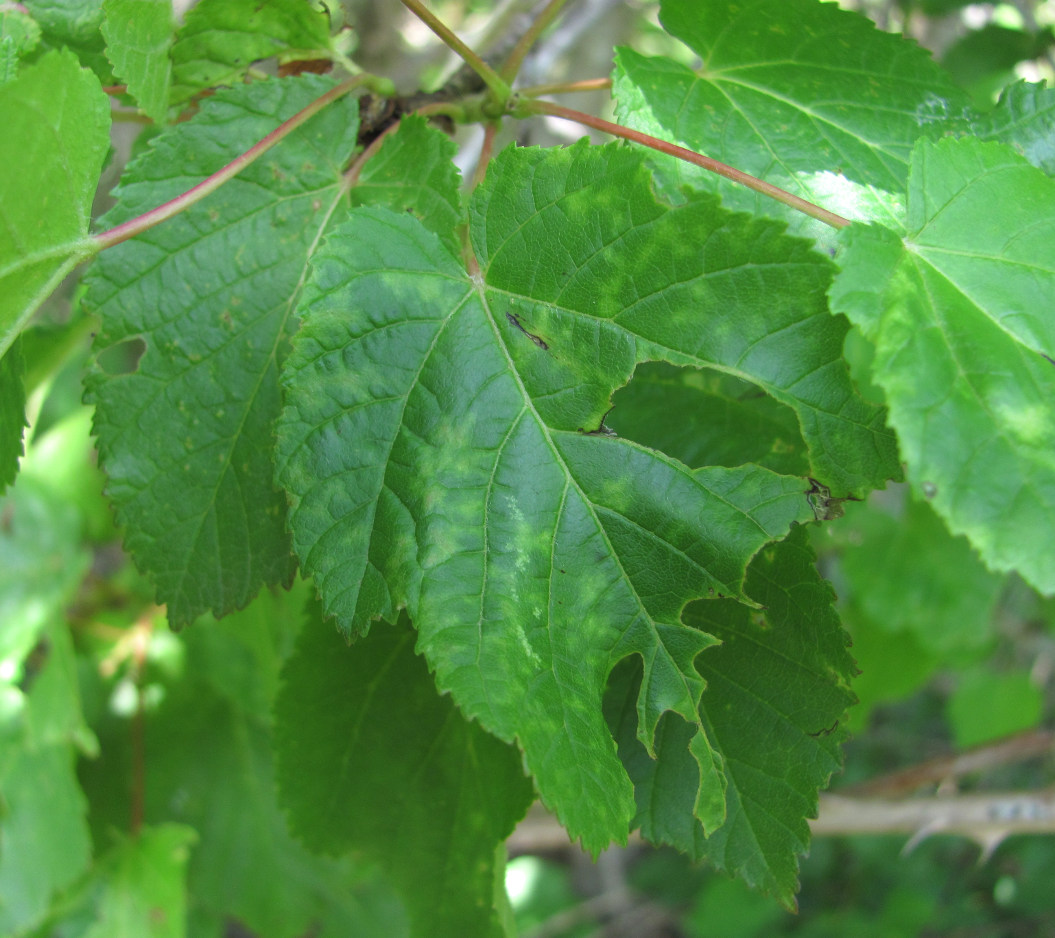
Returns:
point(107, 718)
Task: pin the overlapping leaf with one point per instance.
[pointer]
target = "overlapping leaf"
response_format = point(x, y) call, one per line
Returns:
point(184, 438)
point(791, 91)
point(56, 126)
point(138, 36)
point(780, 676)
point(221, 39)
point(959, 312)
point(370, 760)
point(440, 451)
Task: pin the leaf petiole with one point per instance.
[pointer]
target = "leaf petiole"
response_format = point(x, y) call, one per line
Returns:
point(512, 64)
point(146, 221)
point(566, 87)
point(535, 106)
point(498, 86)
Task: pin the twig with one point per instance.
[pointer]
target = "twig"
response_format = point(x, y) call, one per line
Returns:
point(936, 771)
point(498, 85)
point(512, 64)
point(588, 84)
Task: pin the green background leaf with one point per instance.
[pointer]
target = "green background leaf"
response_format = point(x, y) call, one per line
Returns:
point(964, 344)
point(138, 37)
point(56, 124)
point(1025, 119)
point(185, 438)
point(221, 39)
point(371, 759)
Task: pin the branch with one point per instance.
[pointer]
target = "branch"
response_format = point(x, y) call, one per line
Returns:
point(706, 162)
point(516, 58)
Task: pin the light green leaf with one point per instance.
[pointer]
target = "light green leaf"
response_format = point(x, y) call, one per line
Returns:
point(708, 419)
point(12, 412)
point(959, 314)
point(184, 438)
point(19, 35)
point(56, 126)
point(780, 676)
point(987, 706)
point(1025, 119)
point(438, 451)
point(138, 36)
point(371, 759)
point(221, 39)
point(791, 91)
point(143, 886)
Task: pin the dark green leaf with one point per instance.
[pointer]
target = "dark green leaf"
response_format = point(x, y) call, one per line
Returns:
point(438, 453)
point(777, 689)
point(12, 412)
point(708, 419)
point(371, 759)
point(221, 39)
point(185, 437)
point(791, 91)
point(138, 35)
point(959, 314)
point(413, 172)
point(56, 124)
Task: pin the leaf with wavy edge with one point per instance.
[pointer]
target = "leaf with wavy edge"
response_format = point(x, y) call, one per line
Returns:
point(437, 446)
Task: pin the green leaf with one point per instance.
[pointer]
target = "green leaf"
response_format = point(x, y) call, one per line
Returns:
point(959, 314)
point(209, 766)
point(185, 438)
point(19, 35)
point(12, 412)
point(138, 38)
point(708, 419)
point(437, 451)
point(56, 132)
point(221, 39)
point(944, 594)
point(414, 172)
point(74, 24)
point(142, 886)
point(371, 759)
point(1025, 119)
point(44, 839)
point(777, 689)
point(789, 91)
point(987, 706)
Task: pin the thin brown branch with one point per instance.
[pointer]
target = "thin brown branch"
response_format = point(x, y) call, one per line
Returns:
point(945, 768)
point(512, 64)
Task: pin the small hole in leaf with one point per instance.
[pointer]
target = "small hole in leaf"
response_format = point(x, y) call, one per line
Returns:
point(122, 358)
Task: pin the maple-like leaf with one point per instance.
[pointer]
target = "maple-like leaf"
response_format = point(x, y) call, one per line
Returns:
point(442, 450)
point(802, 94)
point(138, 37)
point(959, 311)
